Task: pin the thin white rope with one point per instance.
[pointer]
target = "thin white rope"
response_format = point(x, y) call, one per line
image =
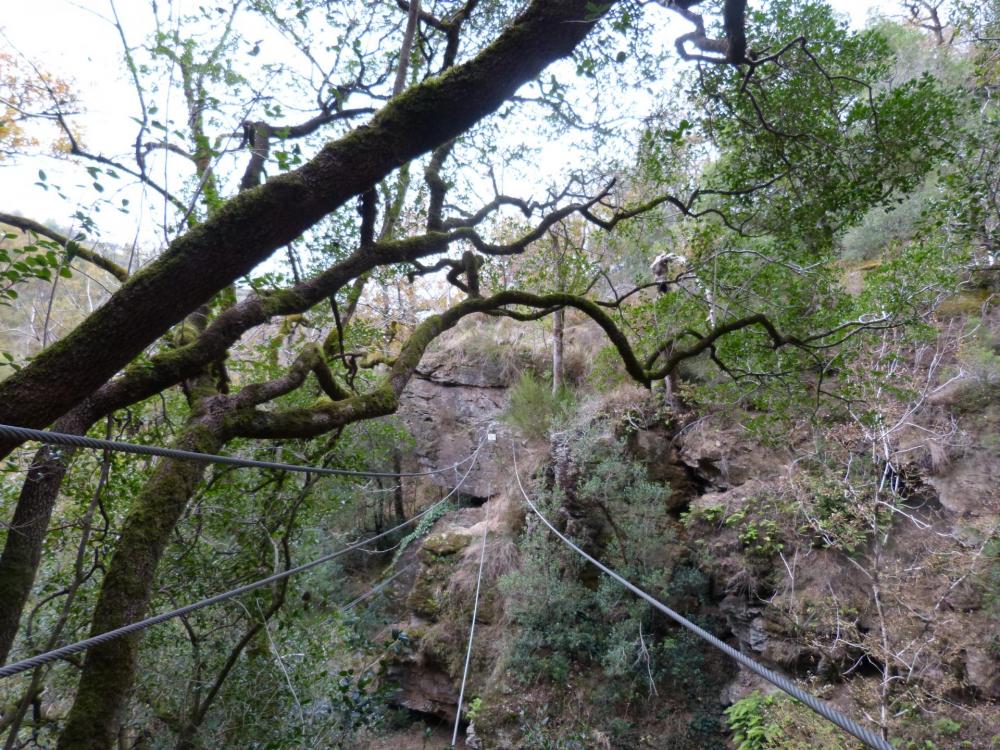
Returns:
point(821, 707)
point(472, 626)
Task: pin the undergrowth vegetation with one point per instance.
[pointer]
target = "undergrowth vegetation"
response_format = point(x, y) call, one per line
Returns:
point(577, 627)
point(534, 408)
point(776, 722)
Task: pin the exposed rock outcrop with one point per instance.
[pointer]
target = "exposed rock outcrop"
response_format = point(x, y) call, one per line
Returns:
point(447, 408)
point(793, 574)
point(438, 613)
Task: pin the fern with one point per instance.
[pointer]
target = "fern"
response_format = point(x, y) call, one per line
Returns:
point(422, 528)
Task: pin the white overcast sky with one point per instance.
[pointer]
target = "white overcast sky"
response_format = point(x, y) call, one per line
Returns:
point(73, 40)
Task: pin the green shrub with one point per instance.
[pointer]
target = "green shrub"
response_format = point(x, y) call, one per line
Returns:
point(777, 722)
point(534, 408)
point(557, 614)
point(571, 621)
point(759, 535)
point(751, 728)
point(607, 371)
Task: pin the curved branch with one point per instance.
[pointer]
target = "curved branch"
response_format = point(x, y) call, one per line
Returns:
point(617, 301)
point(149, 146)
point(73, 248)
point(310, 359)
point(384, 399)
point(251, 226)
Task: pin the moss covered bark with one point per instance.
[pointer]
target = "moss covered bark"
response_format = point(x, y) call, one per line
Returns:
point(23, 546)
point(22, 550)
point(109, 669)
point(251, 226)
point(327, 415)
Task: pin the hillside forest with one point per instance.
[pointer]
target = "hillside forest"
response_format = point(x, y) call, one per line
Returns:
point(703, 290)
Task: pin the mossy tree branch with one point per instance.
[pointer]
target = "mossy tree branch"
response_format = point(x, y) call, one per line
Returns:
point(73, 248)
point(384, 398)
point(252, 225)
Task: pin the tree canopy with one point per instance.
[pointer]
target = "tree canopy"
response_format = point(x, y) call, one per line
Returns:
point(310, 164)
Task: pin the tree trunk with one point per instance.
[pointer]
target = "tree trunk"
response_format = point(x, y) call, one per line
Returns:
point(247, 229)
point(671, 391)
point(109, 669)
point(22, 550)
point(558, 373)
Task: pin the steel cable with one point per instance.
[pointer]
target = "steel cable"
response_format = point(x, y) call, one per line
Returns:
point(820, 707)
point(80, 441)
point(375, 589)
point(74, 648)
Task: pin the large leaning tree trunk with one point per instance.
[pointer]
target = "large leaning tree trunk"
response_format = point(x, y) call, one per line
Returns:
point(22, 552)
point(126, 590)
point(250, 227)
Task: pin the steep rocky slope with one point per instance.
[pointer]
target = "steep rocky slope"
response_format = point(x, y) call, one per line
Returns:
point(862, 563)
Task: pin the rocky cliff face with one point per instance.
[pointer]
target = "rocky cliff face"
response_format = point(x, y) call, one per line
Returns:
point(438, 612)
point(881, 625)
point(448, 407)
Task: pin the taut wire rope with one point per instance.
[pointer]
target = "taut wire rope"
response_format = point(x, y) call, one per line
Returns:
point(80, 441)
point(74, 648)
point(780, 681)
